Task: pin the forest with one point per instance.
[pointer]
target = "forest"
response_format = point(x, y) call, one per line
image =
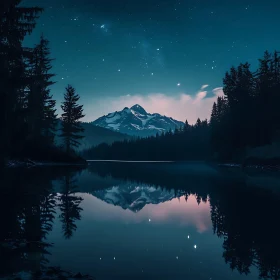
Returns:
point(247, 117)
point(28, 121)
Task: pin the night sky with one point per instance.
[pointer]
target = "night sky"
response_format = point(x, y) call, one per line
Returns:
point(161, 54)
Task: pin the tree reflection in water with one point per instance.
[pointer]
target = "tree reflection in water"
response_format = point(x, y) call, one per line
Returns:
point(69, 205)
point(27, 213)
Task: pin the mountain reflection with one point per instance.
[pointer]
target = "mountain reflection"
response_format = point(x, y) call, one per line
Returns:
point(174, 212)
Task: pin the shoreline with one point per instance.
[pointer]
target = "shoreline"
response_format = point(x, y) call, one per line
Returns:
point(31, 163)
point(253, 166)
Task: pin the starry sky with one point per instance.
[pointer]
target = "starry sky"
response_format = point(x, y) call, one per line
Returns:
point(169, 56)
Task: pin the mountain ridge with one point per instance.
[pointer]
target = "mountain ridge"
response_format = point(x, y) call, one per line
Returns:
point(136, 121)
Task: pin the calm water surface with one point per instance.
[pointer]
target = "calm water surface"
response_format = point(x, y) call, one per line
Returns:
point(143, 221)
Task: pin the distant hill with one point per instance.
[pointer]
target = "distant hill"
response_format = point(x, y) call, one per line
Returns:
point(136, 121)
point(94, 135)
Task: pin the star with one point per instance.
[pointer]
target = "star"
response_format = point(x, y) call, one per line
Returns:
point(188, 237)
point(178, 84)
point(152, 74)
point(102, 26)
point(149, 220)
point(194, 246)
point(119, 70)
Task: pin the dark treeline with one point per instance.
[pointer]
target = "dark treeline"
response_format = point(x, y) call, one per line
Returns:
point(28, 119)
point(249, 232)
point(189, 142)
point(247, 116)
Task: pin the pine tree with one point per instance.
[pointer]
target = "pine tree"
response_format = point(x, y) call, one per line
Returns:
point(15, 23)
point(186, 127)
point(264, 100)
point(214, 115)
point(198, 123)
point(41, 105)
point(276, 95)
point(72, 113)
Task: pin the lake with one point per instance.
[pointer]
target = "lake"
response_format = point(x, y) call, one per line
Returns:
point(117, 220)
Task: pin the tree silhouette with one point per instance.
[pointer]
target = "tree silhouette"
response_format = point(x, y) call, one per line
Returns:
point(15, 23)
point(249, 232)
point(40, 104)
point(29, 212)
point(72, 113)
point(69, 206)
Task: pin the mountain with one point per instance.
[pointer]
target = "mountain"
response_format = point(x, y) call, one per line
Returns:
point(135, 197)
point(94, 135)
point(136, 121)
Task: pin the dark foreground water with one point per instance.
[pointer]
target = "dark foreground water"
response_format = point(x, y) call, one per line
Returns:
point(142, 221)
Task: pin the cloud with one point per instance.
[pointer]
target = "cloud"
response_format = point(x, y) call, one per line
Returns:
point(181, 106)
point(204, 86)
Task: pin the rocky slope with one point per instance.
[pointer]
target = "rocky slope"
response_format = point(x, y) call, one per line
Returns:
point(136, 121)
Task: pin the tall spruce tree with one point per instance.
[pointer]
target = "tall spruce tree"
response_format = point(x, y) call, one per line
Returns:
point(276, 95)
point(72, 113)
point(267, 98)
point(40, 103)
point(15, 23)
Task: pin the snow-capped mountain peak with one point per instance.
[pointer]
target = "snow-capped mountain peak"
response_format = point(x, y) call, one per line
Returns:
point(134, 197)
point(137, 108)
point(136, 121)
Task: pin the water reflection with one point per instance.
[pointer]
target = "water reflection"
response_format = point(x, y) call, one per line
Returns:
point(69, 205)
point(27, 216)
point(244, 216)
point(120, 221)
point(171, 212)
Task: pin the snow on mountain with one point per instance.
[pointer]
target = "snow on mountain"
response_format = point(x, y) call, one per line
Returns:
point(136, 121)
point(135, 197)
